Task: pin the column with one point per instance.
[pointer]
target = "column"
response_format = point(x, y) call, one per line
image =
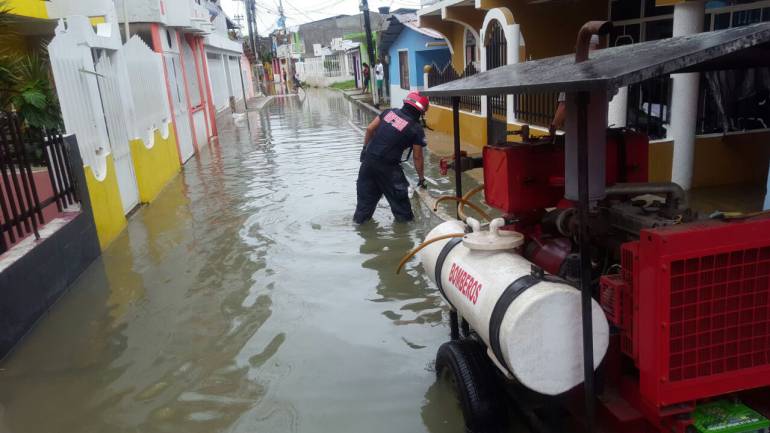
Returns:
point(483, 68)
point(513, 39)
point(618, 109)
point(688, 19)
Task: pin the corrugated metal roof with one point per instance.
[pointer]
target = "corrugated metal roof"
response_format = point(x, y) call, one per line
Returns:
point(616, 67)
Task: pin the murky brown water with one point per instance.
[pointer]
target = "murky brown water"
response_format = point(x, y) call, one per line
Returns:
point(244, 300)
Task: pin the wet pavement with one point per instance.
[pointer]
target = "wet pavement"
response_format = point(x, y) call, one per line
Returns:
point(245, 300)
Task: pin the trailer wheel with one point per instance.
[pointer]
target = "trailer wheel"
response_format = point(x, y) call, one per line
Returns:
point(464, 363)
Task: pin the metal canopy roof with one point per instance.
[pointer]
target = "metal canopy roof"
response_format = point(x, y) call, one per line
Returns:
point(616, 67)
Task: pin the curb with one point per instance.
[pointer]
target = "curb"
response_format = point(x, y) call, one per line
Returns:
point(369, 107)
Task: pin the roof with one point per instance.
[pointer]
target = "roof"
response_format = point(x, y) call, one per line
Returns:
point(396, 24)
point(611, 68)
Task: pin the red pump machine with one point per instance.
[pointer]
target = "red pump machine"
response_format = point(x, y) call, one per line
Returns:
point(688, 298)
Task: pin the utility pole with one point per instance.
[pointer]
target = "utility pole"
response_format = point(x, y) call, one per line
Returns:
point(370, 50)
point(249, 21)
point(282, 22)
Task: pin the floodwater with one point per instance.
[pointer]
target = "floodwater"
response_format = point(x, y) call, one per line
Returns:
point(245, 300)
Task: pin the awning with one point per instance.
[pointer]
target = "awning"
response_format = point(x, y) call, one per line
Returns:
point(611, 68)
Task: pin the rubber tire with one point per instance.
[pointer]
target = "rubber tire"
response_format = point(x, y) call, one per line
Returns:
point(476, 384)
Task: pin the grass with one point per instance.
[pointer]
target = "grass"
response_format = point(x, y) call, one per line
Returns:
point(342, 85)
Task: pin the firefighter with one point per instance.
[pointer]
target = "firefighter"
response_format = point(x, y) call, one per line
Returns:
point(386, 139)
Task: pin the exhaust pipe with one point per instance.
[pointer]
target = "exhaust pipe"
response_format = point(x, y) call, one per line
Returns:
point(599, 28)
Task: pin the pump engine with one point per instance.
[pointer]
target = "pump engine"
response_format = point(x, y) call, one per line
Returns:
point(688, 299)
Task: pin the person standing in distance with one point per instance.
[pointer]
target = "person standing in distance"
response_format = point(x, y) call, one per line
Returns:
point(379, 76)
point(386, 139)
point(367, 75)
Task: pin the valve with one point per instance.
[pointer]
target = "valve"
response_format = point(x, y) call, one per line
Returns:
point(466, 163)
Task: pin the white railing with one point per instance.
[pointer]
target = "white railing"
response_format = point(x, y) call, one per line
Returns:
point(72, 64)
point(324, 71)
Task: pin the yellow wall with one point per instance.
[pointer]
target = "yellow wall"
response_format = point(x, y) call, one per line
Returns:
point(28, 8)
point(719, 160)
point(154, 167)
point(473, 128)
point(106, 204)
point(661, 155)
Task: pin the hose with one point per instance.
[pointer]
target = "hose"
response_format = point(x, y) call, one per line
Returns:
point(462, 201)
point(423, 245)
point(467, 197)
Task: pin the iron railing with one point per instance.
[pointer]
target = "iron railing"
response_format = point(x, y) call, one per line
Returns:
point(536, 109)
point(497, 107)
point(446, 74)
point(649, 106)
point(21, 206)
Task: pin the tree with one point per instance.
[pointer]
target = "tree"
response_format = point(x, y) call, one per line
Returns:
point(25, 82)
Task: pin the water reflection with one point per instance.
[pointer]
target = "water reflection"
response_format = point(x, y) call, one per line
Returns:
point(244, 299)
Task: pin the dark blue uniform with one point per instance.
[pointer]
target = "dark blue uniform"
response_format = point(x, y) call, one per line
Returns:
point(381, 172)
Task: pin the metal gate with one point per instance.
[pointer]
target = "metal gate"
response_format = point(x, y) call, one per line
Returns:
point(116, 116)
point(93, 106)
point(497, 55)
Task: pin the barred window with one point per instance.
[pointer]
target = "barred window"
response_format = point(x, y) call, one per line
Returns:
point(403, 68)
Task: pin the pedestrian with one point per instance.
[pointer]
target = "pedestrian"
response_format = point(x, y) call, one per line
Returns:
point(379, 75)
point(297, 82)
point(385, 141)
point(366, 74)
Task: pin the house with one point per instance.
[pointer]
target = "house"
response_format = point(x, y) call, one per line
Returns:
point(138, 93)
point(708, 130)
point(410, 49)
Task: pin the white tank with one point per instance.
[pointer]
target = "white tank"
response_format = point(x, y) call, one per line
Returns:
point(540, 332)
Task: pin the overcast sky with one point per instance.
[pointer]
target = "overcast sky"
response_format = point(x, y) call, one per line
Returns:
point(302, 11)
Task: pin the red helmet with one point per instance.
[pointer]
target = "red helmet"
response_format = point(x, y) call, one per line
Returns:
point(416, 100)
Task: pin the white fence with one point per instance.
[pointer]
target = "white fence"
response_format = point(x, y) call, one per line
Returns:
point(72, 64)
point(145, 72)
point(324, 71)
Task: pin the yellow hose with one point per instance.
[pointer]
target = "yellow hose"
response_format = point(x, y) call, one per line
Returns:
point(462, 201)
point(423, 245)
point(467, 198)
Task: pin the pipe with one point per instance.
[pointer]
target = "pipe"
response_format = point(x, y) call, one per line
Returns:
point(462, 200)
point(423, 245)
point(589, 29)
point(676, 197)
point(466, 198)
point(584, 245)
point(457, 149)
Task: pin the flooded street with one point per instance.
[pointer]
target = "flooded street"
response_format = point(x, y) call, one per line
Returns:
point(244, 299)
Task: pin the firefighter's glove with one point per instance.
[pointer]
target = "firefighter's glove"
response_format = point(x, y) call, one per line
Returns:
point(422, 183)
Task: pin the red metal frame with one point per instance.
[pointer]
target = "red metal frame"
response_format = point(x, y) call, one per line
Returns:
point(158, 47)
point(187, 91)
point(192, 41)
point(703, 311)
point(209, 96)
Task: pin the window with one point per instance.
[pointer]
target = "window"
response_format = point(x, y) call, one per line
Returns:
point(625, 35)
point(626, 10)
point(470, 47)
point(650, 10)
point(403, 69)
point(659, 29)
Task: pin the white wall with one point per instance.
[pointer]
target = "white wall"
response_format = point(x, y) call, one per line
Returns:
point(397, 95)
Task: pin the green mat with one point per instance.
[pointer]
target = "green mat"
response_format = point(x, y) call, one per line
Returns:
point(727, 417)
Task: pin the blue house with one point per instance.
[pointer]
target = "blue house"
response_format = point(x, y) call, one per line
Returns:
point(409, 48)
